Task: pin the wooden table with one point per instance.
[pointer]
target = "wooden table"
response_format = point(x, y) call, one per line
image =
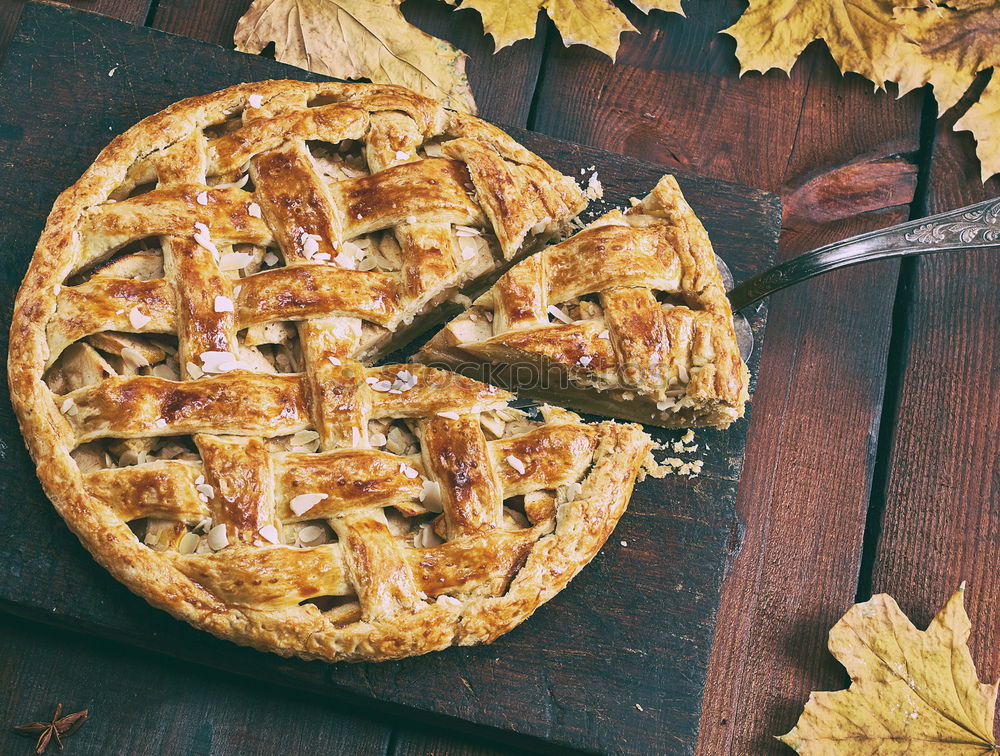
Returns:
point(871, 463)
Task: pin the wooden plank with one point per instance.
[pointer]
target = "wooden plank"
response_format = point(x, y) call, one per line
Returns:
point(842, 159)
point(145, 703)
point(941, 516)
point(502, 83)
point(615, 663)
point(133, 11)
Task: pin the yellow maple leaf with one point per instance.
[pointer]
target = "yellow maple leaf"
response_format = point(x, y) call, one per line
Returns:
point(862, 36)
point(982, 119)
point(354, 39)
point(962, 38)
point(595, 23)
point(912, 692)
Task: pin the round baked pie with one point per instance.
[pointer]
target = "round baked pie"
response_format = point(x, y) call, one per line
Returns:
point(191, 359)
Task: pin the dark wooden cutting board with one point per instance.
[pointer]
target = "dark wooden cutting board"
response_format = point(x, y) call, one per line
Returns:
point(614, 664)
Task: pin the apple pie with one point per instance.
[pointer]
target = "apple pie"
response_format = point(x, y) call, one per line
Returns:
point(191, 356)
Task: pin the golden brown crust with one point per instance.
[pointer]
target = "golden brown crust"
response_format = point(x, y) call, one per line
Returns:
point(359, 590)
point(650, 334)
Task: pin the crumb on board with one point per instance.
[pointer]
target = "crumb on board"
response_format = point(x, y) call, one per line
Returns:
point(674, 465)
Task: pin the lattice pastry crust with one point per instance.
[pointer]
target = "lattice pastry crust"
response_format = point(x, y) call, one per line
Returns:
point(198, 410)
point(627, 318)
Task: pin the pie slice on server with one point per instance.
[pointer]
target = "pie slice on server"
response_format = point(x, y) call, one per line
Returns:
point(627, 318)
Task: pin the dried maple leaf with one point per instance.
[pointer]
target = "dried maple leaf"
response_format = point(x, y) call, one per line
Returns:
point(962, 39)
point(354, 39)
point(595, 23)
point(911, 692)
point(862, 36)
point(982, 119)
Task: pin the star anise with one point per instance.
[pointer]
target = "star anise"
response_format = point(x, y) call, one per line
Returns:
point(59, 727)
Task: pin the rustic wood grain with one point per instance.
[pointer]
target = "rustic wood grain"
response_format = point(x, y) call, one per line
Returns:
point(843, 160)
point(615, 663)
point(133, 11)
point(941, 516)
point(142, 703)
point(502, 84)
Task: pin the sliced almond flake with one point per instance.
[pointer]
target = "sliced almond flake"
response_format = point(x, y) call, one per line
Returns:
point(269, 533)
point(199, 480)
point(133, 357)
point(377, 439)
point(449, 415)
point(408, 471)
point(381, 386)
point(585, 360)
point(355, 438)
point(194, 371)
point(682, 373)
point(430, 495)
point(270, 259)
point(67, 405)
point(321, 257)
point(411, 219)
point(203, 237)
point(160, 422)
point(335, 361)
point(255, 100)
point(449, 601)
point(310, 244)
point(400, 155)
point(466, 231)
point(188, 543)
point(558, 314)
point(223, 304)
point(205, 490)
point(516, 464)
point(235, 260)
point(624, 543)
point(138, 319)
point(604, 335)
point(304, 502)
point(202, 198)
point(219, 362)
point(56, 289)
point(253, 210)
point(217, 538)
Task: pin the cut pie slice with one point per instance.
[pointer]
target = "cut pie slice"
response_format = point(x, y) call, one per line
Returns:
point(627, 318)
point(184, 363)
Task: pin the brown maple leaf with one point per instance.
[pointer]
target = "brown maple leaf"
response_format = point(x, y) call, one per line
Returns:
point(58, 727)
point(357, 39)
